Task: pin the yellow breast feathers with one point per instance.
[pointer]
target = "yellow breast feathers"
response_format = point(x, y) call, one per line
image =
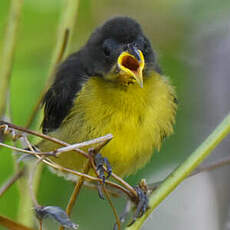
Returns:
point(139, 119)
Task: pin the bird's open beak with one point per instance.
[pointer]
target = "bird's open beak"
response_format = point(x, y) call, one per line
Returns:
point(131, 63)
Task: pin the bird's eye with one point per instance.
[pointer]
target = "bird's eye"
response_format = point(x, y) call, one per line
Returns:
point(106, 51)
point(108, 46)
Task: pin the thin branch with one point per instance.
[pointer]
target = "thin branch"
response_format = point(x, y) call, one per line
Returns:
point(87, 177)
point(76, 191)
point(132, 193)
point(102, 142)
point(68, 148)
point(117, 218)
point(26, 151)
point(212, 166)
point(56, 166)
point(112, 191)
point(10, 224)
point(43, 136)
point(8, 51)
point(92, 153)
point(31, 177)
point(11, 181)
point(206, 168)
point(40, 224)
point(52, 164)
point(176, 177)
point(208, 144)
point(27, 142)
point(152, 187)
point(63, 48)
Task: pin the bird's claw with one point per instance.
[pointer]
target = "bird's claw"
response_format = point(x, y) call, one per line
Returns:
point(143, 200)
point(142, 191)
point(100, 161)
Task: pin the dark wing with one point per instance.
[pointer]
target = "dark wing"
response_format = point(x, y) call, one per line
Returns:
point(60, 97)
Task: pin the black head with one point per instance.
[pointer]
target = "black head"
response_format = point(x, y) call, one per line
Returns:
point(115, 36)
point(120, 43)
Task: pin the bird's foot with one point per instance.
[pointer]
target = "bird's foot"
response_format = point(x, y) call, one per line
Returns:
point(143, 201)
point(100, 162)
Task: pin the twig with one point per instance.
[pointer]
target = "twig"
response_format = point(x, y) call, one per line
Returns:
point(117, 218)
point(40, 224)
point(87, 177)
point(68, 148)
point(112, 191)
point(52, 164)
point(65, 30)
point(102, 141)
point(133, 196)
point(132, 193)
point(10, 224)
point(56, 166)
point(11, 181)
point(93, 153)
point(76, 191)
point(8, 51)
point(27, 142)
point(153, 186)
point(31, 176)
point(176, 177)
point(214, 165)
point(26, 151)
point(43, 136)
point(206, 168)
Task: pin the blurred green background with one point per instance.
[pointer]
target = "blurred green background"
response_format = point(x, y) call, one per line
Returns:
point(182, 32)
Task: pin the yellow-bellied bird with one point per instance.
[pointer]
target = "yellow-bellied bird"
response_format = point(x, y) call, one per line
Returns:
point(113, 84)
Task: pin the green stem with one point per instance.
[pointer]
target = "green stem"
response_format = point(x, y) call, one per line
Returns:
point(8, 51)
point(176, 177)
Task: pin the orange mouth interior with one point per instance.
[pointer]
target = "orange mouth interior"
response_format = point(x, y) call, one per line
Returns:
point(130, 63)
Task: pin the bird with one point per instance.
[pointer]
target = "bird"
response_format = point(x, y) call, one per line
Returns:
point(113, 84)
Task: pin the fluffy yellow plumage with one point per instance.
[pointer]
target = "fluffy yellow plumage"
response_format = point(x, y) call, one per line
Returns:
point(114, 85)
point(139, 119)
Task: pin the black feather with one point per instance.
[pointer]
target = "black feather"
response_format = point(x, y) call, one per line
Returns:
point(59, 98)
